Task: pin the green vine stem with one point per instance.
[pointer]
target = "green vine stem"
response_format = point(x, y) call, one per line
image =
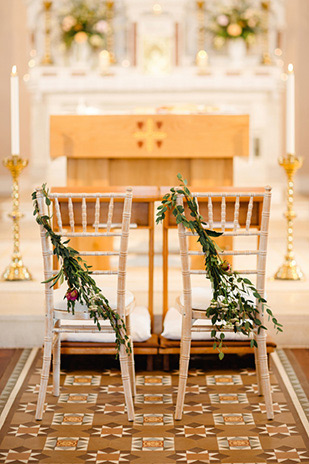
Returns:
point(75, 272)
point(235, 303)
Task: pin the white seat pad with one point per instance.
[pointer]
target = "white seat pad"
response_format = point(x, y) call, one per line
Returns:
point(173, 323)
point(201, 297)
point(60, 302)
point(140, 328)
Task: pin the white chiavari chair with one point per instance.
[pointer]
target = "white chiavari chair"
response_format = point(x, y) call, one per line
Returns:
point(79, 216)
point(193, 305)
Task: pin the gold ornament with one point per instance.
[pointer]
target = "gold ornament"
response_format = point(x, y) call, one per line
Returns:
point(266, 57)
point(16, 269)
point(110, 45)
point(201, 24)
point(47, 58)
point(289, 269)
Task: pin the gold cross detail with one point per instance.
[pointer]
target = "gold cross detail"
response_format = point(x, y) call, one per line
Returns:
point(150, 135)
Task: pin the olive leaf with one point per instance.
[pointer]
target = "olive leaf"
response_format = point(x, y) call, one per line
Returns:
point(232, 304)
point(75, 272)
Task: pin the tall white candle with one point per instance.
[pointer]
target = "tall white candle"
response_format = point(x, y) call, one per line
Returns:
point(14, 112)
point(290, 111)
point(104, 60)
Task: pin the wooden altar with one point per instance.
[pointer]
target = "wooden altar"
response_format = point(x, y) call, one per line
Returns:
point(149, 149)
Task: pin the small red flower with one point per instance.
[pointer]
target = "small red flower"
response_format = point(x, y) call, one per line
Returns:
point(226, 267)
point(72, 295)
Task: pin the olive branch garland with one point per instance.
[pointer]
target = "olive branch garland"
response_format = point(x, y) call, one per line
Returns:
point(232, 305)
point(81, 286)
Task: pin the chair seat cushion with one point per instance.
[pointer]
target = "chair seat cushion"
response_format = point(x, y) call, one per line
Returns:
point(172, 328)
point(60, 302)
point(201, 297)
point(140, 328)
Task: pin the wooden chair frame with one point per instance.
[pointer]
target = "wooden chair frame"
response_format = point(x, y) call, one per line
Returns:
point(53, 326)
point(142, 217)
point(189, 314)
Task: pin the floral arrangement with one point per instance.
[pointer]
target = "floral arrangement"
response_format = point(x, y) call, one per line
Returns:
point(239, 20)
point(75, 272)
point(232, 305)
point(84, 21)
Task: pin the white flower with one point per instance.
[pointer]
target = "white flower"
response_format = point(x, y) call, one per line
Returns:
point(68, 22)
point(250, 13)
point(250, 39)
point(251, 22)
point(222, 20)
point(102, 27)
point(219, 42)
point(96, 41)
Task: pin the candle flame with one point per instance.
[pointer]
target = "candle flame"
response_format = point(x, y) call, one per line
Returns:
point(157, 8)
point(202, 54)
point(290, 68)
point(105, 54)
point(14, 70)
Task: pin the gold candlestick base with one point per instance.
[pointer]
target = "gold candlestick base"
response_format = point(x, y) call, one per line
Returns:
point(16, 269)
point(289, 269)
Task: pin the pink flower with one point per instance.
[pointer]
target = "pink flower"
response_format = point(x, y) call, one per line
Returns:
point(72, 295)
point(68, 22)
point(226, 267)
point(102, 27)
point(223, 20)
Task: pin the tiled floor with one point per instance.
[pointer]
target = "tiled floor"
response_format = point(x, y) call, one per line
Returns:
point(224, 420)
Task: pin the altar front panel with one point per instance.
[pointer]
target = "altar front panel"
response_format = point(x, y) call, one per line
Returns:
point(149, 149)
point(96, 172)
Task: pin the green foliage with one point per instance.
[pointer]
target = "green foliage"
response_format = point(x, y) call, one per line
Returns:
point(236, 304)
point(75, 272)
point(84, 21)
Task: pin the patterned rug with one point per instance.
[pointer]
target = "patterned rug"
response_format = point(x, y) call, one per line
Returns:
point(224, 420)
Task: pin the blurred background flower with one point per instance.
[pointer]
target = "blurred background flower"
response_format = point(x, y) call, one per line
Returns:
point(84, 21)
point(238, 19)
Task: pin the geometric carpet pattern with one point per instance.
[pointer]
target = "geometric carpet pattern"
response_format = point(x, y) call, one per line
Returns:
point(224, 421)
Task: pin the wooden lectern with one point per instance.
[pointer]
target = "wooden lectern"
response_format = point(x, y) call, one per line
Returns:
point(149, 149)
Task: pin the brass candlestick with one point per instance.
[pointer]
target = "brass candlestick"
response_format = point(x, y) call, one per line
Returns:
point(16, 269)
point(110, 5)
point(201, 24)
point(47, 58)
point(266, 58)
point(289, 269)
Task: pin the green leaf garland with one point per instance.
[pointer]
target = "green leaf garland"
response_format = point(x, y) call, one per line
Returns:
point(75, 272)
point(232, 305)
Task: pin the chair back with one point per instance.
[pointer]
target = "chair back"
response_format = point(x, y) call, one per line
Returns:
point(240, 215)
point(87, 216)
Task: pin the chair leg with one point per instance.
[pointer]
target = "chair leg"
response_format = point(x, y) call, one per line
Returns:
point(257, 369)
point(56, 365)
point(131, 358)
point(44, 378)
point(149, 366)
point(166, 362)
point(264, 374)
point(132, 369)
point(183, 366)
point(125, 374)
